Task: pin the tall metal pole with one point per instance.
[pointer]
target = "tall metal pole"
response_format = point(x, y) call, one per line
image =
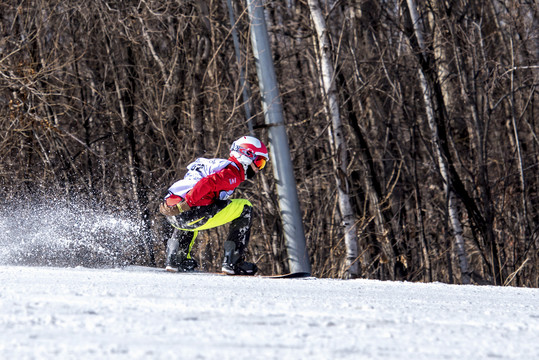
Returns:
point(283, 172)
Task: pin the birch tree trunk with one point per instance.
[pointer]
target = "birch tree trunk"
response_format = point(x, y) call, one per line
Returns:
point(336, 138)
point(454, 219)
point(472, 94)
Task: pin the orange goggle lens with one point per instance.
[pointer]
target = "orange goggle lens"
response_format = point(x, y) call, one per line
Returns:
point(260, 162)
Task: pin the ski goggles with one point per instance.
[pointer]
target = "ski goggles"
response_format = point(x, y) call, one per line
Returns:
point(260, 162)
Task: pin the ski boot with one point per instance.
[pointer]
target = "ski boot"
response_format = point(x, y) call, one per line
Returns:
point(171, 265)
point(183, 265)
point(233, 263)
point(187, 265)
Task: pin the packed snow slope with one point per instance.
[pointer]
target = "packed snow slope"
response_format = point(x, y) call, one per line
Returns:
point(142, 313)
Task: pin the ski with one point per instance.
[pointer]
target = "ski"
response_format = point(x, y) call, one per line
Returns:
point(297, 275)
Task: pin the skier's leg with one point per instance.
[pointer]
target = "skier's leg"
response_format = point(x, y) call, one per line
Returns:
point(236, 243)
point(179, 251)
point(238, 212)
point(173, 244)
point(240, 229)
point(185, 261)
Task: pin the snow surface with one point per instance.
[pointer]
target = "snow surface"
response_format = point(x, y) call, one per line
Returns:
point(144, 313)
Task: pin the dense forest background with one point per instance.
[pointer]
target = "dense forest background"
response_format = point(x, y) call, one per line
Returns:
point(103, 103)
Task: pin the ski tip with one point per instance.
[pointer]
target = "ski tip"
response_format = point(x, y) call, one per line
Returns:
point(290, 275)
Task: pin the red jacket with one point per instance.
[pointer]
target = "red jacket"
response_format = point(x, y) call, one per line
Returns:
point(208, 189)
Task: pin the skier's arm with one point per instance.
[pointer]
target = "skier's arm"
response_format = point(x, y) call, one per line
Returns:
point(225, 179)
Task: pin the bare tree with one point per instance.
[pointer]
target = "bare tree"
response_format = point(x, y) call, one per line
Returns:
point(440, 154)
point(337, 139)
point(433, 144)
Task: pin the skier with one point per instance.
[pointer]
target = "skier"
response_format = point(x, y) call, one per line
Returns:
point(201, 201)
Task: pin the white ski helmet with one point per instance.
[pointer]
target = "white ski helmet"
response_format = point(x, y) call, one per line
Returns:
point(248, 149)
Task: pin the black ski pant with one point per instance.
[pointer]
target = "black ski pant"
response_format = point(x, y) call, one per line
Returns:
point(237, 212)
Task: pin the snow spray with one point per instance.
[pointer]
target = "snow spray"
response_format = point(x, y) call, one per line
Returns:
point(61, 233)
